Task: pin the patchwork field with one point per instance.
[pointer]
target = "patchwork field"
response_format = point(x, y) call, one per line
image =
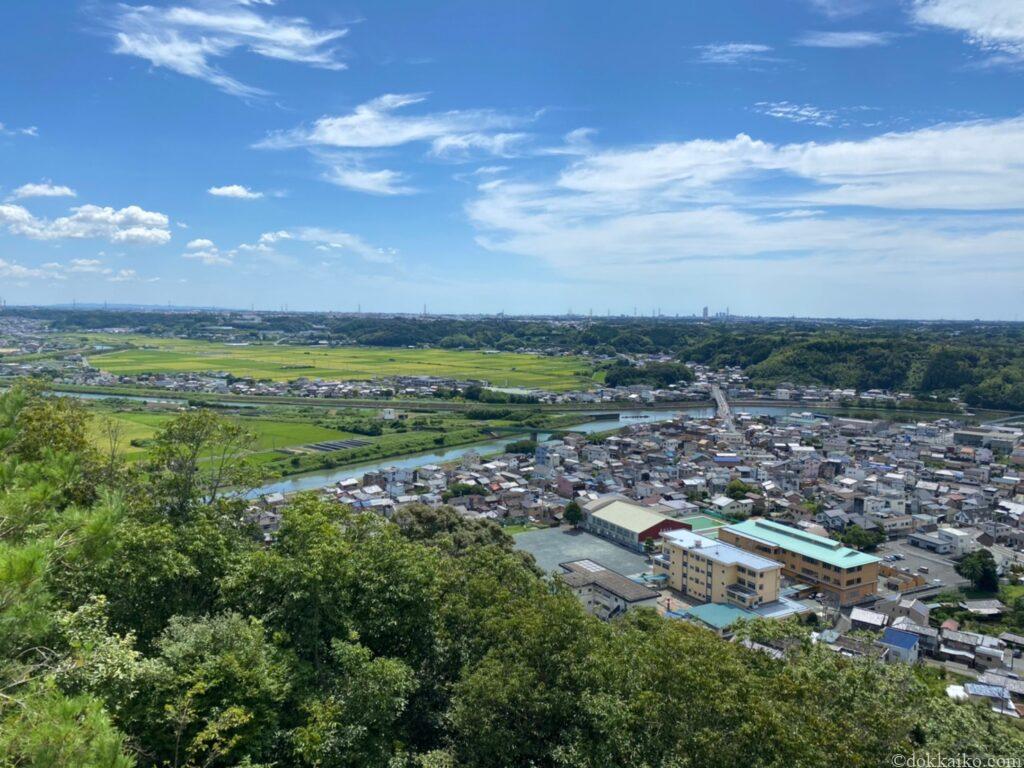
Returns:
point(271, 434)
point(280, 363)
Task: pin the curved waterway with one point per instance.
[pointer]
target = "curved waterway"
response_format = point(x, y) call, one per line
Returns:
point(153, 399)
point(322, 478)
point(133, 398)
point(312, 480)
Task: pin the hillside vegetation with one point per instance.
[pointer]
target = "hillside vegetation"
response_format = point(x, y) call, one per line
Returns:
point(143, 623)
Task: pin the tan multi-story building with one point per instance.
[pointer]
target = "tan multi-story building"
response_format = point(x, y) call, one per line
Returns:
point(846, 573)
point(715, 572)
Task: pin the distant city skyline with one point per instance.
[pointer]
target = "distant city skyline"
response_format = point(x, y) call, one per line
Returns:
point(808, 158)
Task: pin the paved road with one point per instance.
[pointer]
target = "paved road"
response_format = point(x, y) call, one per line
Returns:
point(724, 413)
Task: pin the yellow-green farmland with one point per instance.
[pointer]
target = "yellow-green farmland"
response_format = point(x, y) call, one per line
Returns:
point(281, 362)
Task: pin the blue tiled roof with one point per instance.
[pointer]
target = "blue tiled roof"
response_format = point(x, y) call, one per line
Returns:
point(899, 638)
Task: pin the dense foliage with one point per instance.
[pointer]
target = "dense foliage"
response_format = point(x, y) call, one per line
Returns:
point(655, 374)
point(981, 570)
point(143, 623)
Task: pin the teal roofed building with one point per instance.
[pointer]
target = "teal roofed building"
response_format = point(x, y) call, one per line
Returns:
point(830, 566)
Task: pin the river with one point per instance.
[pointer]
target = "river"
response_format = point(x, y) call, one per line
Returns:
point(312, 480)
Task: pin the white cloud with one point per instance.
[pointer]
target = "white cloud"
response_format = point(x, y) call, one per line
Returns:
point(200, 243)
point(331, 239)
point(130, 276)
point(797, 113)
point(942, 196)
point(461, 145)
point(374, 125)
point(273, 237)
point(210, 257)
point(322, 239)
point(731, 53)
point(20, 272)
point(8, 131)
point(348, 172)
point(995, 26)
point(575, 142)
point(88, 266)
point(126, 225)
point(342, 143)
point(838, 9)
point(186, 38)
point(43, 189)
point(967, 166)
point(236, 191)
point(76, 267)
point(850, 39)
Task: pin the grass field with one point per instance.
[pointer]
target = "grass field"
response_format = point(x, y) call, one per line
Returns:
point(280, 363)
point(271, 434)
point(287, 427)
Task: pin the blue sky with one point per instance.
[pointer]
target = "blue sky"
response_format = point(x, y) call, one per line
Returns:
point(793, 157)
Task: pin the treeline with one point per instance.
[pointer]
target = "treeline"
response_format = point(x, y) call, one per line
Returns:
point(983, 363)
point(656, 374)
point(144, 623)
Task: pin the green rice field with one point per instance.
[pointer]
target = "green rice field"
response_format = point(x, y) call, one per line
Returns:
point(271, 434)
point(281, 363)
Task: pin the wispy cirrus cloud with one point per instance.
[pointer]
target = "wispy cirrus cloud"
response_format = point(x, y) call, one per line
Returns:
point(994, 26)
point(345, 144)
point(377, 124)
point(798, 113)
point(343, 242)
point(845, 39)
point(188, 38)
point(349, 171)
point(6, 130)
point(731, 53)
point(839, 9)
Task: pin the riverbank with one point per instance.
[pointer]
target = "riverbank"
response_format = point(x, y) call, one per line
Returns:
point(319, 479)
point(329, 402)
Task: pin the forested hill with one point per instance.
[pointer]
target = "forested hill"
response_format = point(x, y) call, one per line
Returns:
point(980, 362)
point(143, 624)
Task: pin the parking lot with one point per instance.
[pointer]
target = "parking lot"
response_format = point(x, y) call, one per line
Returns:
point(939, 567)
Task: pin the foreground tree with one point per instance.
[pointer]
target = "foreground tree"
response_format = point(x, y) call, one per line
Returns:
point(573, 514)
point(980, 569)
point(198, 456)
point(144, 624)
